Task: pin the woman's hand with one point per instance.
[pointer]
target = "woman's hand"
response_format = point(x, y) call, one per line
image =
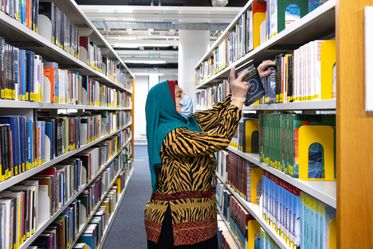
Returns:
point(239, 87)
point(264, 68)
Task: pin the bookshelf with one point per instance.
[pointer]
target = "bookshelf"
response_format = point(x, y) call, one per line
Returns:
point(18, 35)
point(294, 106)
point(226, 224)
point(354, 133)
point(42, 227)
point(325, 191)
point(40, 105)
point(328, 21)
point(96, 208)
point(254, 210)
point(316, 24)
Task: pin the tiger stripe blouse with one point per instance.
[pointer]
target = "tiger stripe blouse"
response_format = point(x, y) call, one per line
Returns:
point(185, 180)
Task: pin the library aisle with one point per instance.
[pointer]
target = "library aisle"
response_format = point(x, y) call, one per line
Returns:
point(128, 228)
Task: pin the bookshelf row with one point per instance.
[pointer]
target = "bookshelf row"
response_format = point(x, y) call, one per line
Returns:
point(23, 176)
point(318, 23)
point(39, 105)
point(21, 36)
point(112, 218)
point(324, 191)
point(293, 106)
point(254, 210)
point(58, 212)
point(227, 226)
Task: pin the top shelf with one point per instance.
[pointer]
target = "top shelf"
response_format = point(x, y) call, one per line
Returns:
point(19, 35)
point(72, 10)
point(318, 24)
point(224, 34)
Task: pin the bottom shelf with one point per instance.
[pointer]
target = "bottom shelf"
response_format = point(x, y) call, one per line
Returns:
point(236, 240)
point(112, 218)
point(99, 204)
point(254, 210)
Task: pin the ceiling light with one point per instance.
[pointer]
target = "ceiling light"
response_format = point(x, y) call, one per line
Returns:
point(148, 74)
point(138, 45)
point(146, 61)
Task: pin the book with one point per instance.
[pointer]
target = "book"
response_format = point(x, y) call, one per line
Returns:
point(256, 89)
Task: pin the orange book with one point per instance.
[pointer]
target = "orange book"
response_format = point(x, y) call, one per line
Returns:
point(50, 72)
point(259, 16)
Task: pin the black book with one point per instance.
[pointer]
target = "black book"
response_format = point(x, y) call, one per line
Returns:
point(256, 89)
point(290, 77)
point(278, 76)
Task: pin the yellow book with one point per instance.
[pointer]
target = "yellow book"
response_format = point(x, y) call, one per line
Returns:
point(259, 16)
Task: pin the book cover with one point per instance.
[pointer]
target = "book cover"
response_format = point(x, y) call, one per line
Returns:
point(256, 89)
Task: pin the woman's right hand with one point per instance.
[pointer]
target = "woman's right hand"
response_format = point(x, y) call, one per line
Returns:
point(239, 87)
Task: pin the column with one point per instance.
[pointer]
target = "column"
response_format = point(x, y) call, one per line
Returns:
point(193, 45)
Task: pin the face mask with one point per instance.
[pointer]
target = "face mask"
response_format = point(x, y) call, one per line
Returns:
point(186, 107)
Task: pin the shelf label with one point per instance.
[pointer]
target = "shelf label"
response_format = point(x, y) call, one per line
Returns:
point(368, 59)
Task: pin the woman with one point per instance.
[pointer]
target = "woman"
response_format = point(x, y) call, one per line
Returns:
point(181, 146)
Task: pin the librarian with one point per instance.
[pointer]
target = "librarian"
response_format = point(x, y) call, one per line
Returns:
point(181, 145)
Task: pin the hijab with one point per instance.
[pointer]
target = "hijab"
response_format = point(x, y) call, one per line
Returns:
point(161, 118)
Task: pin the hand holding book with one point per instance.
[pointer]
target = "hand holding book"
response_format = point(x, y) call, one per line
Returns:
point(239, 87)
point(250, 75)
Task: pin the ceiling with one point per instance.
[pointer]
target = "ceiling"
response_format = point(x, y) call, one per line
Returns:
point(148, 36)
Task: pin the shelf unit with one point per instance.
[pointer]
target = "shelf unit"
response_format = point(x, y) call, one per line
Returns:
point(112, 217)
point(226, 223)
point(324, 191)
point(17, 34)
point(97, 207)
point(312, 26)
point(40, 105)
point(254, 210)
point(23, 176)
point(43, 226)
point(325, 22)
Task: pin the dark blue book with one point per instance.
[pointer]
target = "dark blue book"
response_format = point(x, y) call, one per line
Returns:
point(49, 132)
point(256, 89)
point(30, 141)
point(23, 145)
point(30, 56)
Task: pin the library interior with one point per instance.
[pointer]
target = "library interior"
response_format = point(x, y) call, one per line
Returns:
point(186, 124)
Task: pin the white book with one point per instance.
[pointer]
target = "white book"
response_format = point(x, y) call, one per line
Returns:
point(45, 204)
point(35, 186)
point(18, 197)
point(6, 222)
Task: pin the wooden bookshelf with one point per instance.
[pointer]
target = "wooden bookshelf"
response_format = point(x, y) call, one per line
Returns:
point(17, 34)
point(354, 131)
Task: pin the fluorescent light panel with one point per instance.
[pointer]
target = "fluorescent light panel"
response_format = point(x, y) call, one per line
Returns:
point(146, 61)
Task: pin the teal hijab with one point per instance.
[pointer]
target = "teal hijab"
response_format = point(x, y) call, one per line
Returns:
point(161, 118)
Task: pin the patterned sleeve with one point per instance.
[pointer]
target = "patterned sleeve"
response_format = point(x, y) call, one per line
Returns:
point(183, 142)
point(209, 119)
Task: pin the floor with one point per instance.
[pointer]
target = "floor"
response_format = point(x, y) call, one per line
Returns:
point(128, 231)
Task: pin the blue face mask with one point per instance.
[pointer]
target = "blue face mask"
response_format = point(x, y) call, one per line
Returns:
point(186, 107)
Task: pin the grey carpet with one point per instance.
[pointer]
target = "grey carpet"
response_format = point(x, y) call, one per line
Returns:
point(128, 231)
